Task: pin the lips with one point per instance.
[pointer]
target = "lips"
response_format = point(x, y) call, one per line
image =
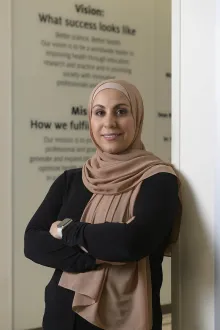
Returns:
point(112, 136)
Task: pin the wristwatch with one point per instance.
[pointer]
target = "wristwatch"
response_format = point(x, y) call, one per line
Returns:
point(64, 223)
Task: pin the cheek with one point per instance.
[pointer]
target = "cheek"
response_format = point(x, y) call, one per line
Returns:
point(129, 127)
point(94, 127)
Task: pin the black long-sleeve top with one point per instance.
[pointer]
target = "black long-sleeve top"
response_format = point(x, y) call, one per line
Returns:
point(147, 235)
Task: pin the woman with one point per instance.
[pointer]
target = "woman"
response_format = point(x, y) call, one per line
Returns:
point(123, 208)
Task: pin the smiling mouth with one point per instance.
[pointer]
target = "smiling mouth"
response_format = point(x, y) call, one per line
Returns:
point(111, 137)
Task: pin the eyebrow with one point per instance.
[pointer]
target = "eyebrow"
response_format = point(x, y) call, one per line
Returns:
point(116, 106)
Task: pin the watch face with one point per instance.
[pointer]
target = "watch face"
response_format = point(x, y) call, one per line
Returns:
point(64, 223)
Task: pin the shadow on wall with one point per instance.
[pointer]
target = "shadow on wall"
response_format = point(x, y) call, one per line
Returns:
point(196, 258)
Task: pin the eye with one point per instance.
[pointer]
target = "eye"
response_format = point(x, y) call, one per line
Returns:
point(99, 112)
point(121, 112)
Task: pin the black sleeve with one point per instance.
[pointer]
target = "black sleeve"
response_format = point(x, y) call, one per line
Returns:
point(41, 247)
point(155, 209)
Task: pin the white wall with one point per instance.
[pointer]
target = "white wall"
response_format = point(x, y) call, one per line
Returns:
point(217, 190)
point(162, 99)
point(5, 168)
point(194, 152)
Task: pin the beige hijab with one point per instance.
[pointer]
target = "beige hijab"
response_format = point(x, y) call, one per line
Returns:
point(117, 296)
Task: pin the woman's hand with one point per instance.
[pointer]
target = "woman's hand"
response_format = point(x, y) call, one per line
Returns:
point(54, 231)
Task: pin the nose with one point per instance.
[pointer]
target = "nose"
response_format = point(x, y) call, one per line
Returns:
point(110, 122)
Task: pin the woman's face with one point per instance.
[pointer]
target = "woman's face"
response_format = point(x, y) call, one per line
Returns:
point(112, 122)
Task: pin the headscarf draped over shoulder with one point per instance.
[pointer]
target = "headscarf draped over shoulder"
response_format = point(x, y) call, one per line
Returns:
point(117, 297)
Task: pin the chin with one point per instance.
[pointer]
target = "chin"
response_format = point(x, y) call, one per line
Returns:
point(113, 150)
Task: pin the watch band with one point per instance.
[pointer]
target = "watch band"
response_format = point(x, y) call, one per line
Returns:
point(59, 232)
